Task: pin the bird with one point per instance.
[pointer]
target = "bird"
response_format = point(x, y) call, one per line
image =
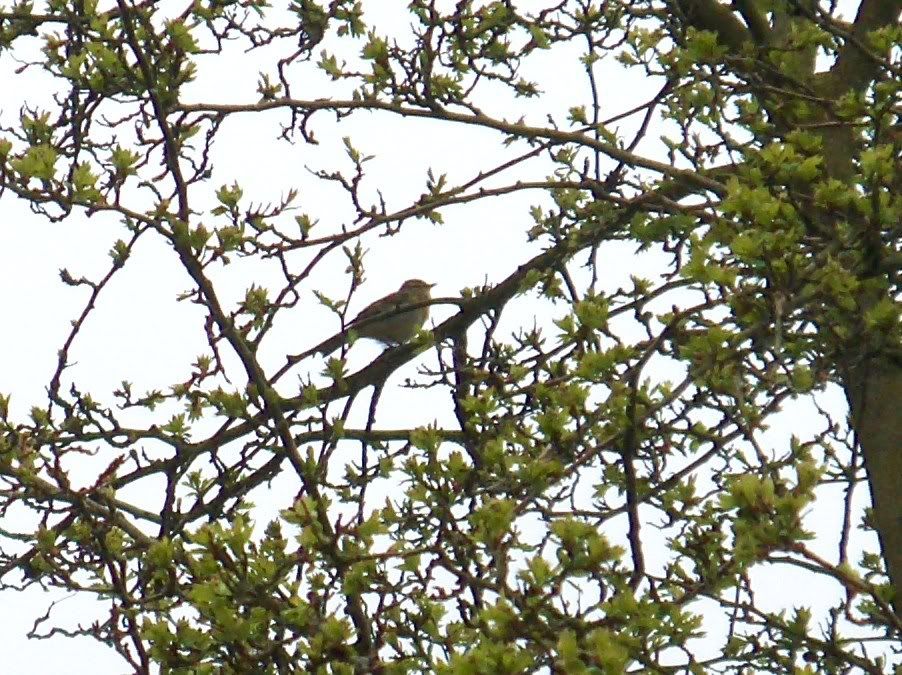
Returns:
point(387, 321)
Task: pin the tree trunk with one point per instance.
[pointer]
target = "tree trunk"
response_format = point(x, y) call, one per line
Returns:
point(874, 392)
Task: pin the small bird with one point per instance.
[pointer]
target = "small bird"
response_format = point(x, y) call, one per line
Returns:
point(391, 320)
point(387, 320)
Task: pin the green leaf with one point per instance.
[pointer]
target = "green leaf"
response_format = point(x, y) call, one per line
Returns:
point(38, 162)
point(83, 184)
